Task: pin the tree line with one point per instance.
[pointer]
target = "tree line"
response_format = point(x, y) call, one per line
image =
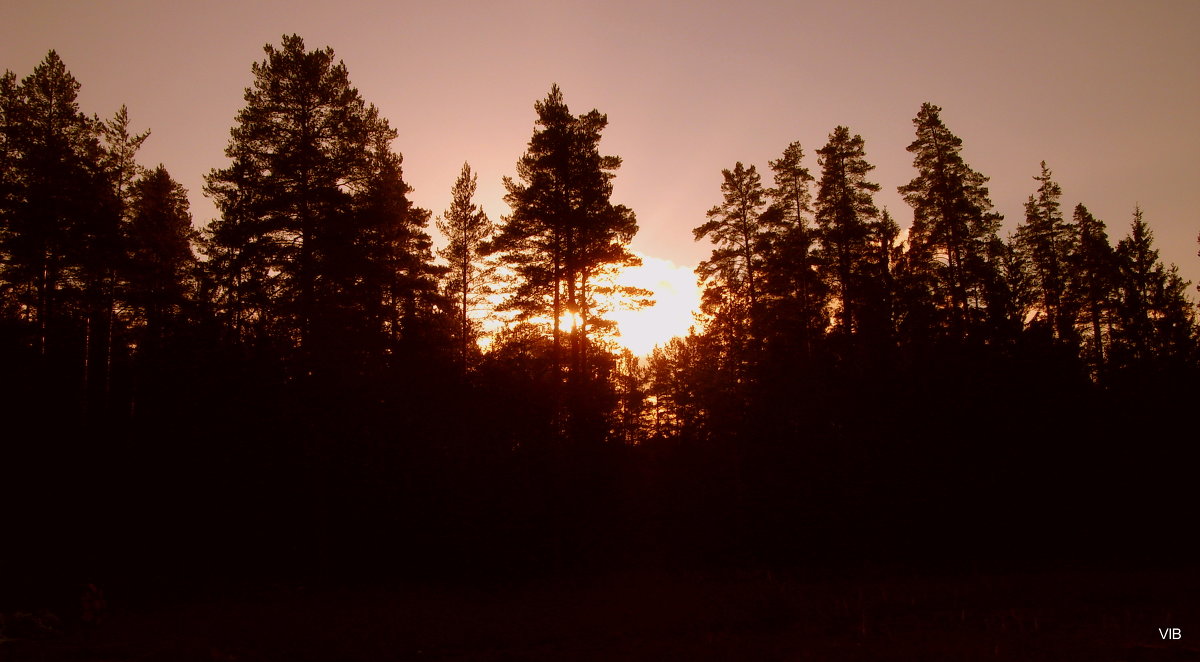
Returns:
point(301, 375)
point(941, 393)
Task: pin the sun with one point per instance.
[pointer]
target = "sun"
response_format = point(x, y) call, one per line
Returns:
point(676, 297)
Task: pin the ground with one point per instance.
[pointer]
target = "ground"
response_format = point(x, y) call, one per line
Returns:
point(1078, 614)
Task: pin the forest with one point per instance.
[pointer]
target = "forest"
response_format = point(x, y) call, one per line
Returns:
point(307, 387)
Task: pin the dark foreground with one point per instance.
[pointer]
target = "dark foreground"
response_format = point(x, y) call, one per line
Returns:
point(1082, 614)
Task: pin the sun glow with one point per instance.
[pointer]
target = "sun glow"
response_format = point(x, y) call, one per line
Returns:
point(676, 297)
point(672, 288)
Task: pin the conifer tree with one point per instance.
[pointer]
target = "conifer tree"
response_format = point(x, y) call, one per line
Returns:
point(160, 265)
point(159, 287)
point(1008, 291)
point(59, 235)
point(791, 191)
point(1091, 283)
point(1156, 322)
point(118, 160)
point(733, 274)
point(121, 149)
point(845, 214)
point(311, 203)
point(953, 222)
point(1047, 240)
point(795, 287)
point(8, 190)
point(388, 283)
point(467, 229)
point(880, 287)
point(564, 232)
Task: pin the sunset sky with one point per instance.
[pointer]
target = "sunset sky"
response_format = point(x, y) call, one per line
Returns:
point(1106, 92)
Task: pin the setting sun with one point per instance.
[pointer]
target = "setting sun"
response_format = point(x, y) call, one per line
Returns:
point(676, 297)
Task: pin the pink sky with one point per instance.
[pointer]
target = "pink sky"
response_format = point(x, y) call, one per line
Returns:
point(1106, 92)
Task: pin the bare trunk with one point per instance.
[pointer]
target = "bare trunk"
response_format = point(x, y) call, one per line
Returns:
point(557, 357)
point(466, 337)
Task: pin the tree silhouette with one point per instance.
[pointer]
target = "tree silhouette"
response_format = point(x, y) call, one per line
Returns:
point(1091, 285)
point(60, 237)
point(564, 233)
point(307, 154)
point(732, 276)
point(467, 229)
point(953, 223)
point(1047, 240)
point(845, 215)
point(1156, 321)
point(735, 226)
point(798, 294)
point(386, 280)
point(161, 265)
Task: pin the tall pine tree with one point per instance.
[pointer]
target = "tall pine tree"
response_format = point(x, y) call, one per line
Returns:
point(1046, 240)
point(798, 297)
point(1091, 286)
point(953, 224)
point(467, 229)
point(311, 204)
point(846, 214)
point(59, 222)
point(733, 276)
point(564, 233)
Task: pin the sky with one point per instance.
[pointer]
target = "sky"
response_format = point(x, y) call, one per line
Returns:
point(1107, 93)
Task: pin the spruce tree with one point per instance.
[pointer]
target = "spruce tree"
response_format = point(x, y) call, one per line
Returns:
point(1156, 322)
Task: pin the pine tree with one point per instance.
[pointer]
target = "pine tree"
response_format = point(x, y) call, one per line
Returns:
point(733, 274)
point(9, 308)
point(121, 149)
point(1091, 284)
point(59, 235)
point(880, 286)
point(307, 155)
point(161, 265)
point(467, 229)
point(159, 286)
point(1047, 240)
point(1008, 292)
point(953, 222)
point(388, 283)
point(845, 214)
point(791, 191)
point(798, 297)
point(105, 327)
point(564, 233)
